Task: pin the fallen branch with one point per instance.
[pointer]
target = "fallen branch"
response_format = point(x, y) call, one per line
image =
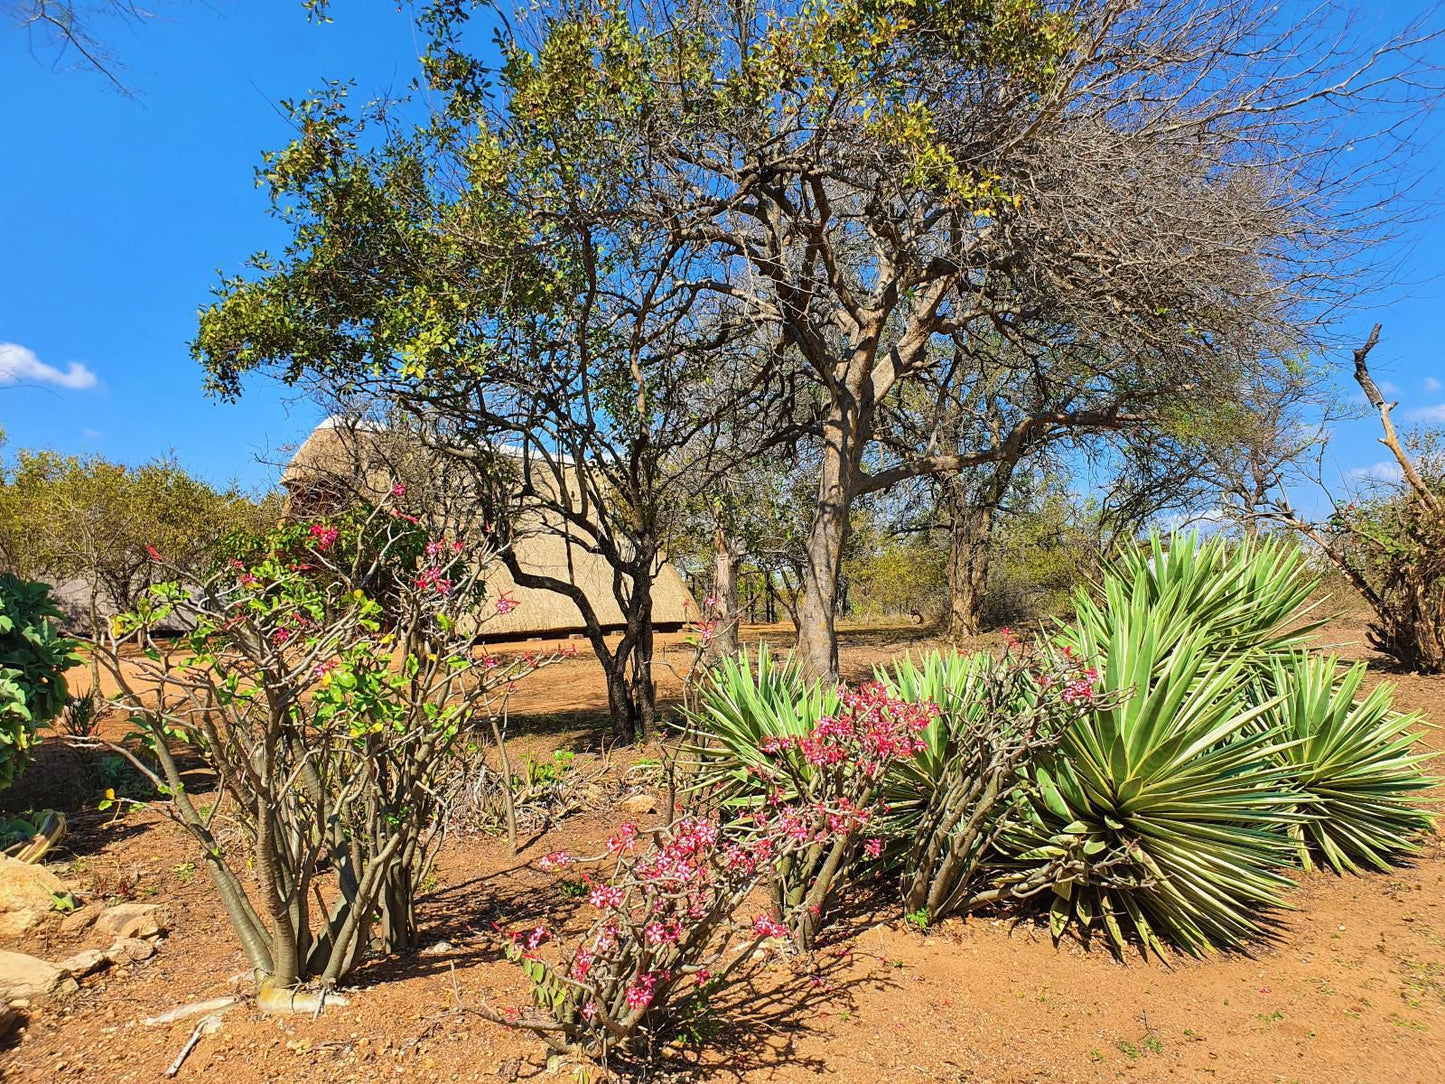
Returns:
point(205, 1026)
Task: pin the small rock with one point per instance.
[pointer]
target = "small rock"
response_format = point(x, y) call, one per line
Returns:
point(27, 894)
point(638, 803)
point(83, 919)
point(16, 924)
point(83, 963)
point(130, 950)
point(441, 948)
point(127, 920)
point(27, 887)
point(28, 978)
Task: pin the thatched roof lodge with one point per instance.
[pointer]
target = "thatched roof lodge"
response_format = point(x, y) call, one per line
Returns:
point(341, 457)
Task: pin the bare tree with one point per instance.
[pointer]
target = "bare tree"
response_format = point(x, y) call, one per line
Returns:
point(67, 29)
point(1390, 547)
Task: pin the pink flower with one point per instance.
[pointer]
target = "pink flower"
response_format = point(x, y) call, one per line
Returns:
point(639, 994)
point(398, 490)
point(662, 933)
point(768, 926)
point(709, 602)
point(873, 848)
point(432, 579)
point(581, 964)
point(280, 636)
point(538, 936)
point(702, 976)
point(623, 841)
point(555, 860)
point(1080, 690)
point(506, 604)
point(325, 536)
point(155, 554)
point(246, 579)
point(589, 1010)
point(606, 897)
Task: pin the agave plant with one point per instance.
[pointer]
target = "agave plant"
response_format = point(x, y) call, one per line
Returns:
point(745, 703)
point(1252, 599)
point(1352, 761)
point(1161, 812)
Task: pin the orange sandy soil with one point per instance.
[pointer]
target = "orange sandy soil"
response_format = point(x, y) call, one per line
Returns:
point(1353, 991)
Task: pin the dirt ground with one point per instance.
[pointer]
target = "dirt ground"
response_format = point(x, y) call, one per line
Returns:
point(1353, 992)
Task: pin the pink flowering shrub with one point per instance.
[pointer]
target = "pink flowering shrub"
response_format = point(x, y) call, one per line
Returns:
point(664, 937)
point(807, 760)
point(327, 672)
point(826, 787)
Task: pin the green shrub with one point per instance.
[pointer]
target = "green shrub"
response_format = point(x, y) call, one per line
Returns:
point(1163, 814)
point(33, 660)
point(1352, 761)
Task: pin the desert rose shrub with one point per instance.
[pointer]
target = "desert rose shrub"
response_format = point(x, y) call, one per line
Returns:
point(946, 805)
point(327, 671)
point(765, 738)
point(33, 661)
point(665, 937)
point(670, 932)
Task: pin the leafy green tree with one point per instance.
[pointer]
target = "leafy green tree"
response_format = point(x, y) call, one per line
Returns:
point(578, 243)
point(64, 517)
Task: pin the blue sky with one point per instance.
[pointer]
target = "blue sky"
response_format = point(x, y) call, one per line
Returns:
point(118, 212)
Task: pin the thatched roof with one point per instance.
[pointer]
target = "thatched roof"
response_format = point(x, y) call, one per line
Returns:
point(340, 458)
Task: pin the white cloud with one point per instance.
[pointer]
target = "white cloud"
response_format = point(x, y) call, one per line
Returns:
point(1389, 388)
point(1431, 414)
point(20, 366)
point(91, 434)
point(1386, 471)
point(1431, 384)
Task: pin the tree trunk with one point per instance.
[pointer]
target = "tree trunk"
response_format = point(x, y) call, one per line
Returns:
point(643, 690)
point(970, 537)
point(726, 610)
point(844, 434)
